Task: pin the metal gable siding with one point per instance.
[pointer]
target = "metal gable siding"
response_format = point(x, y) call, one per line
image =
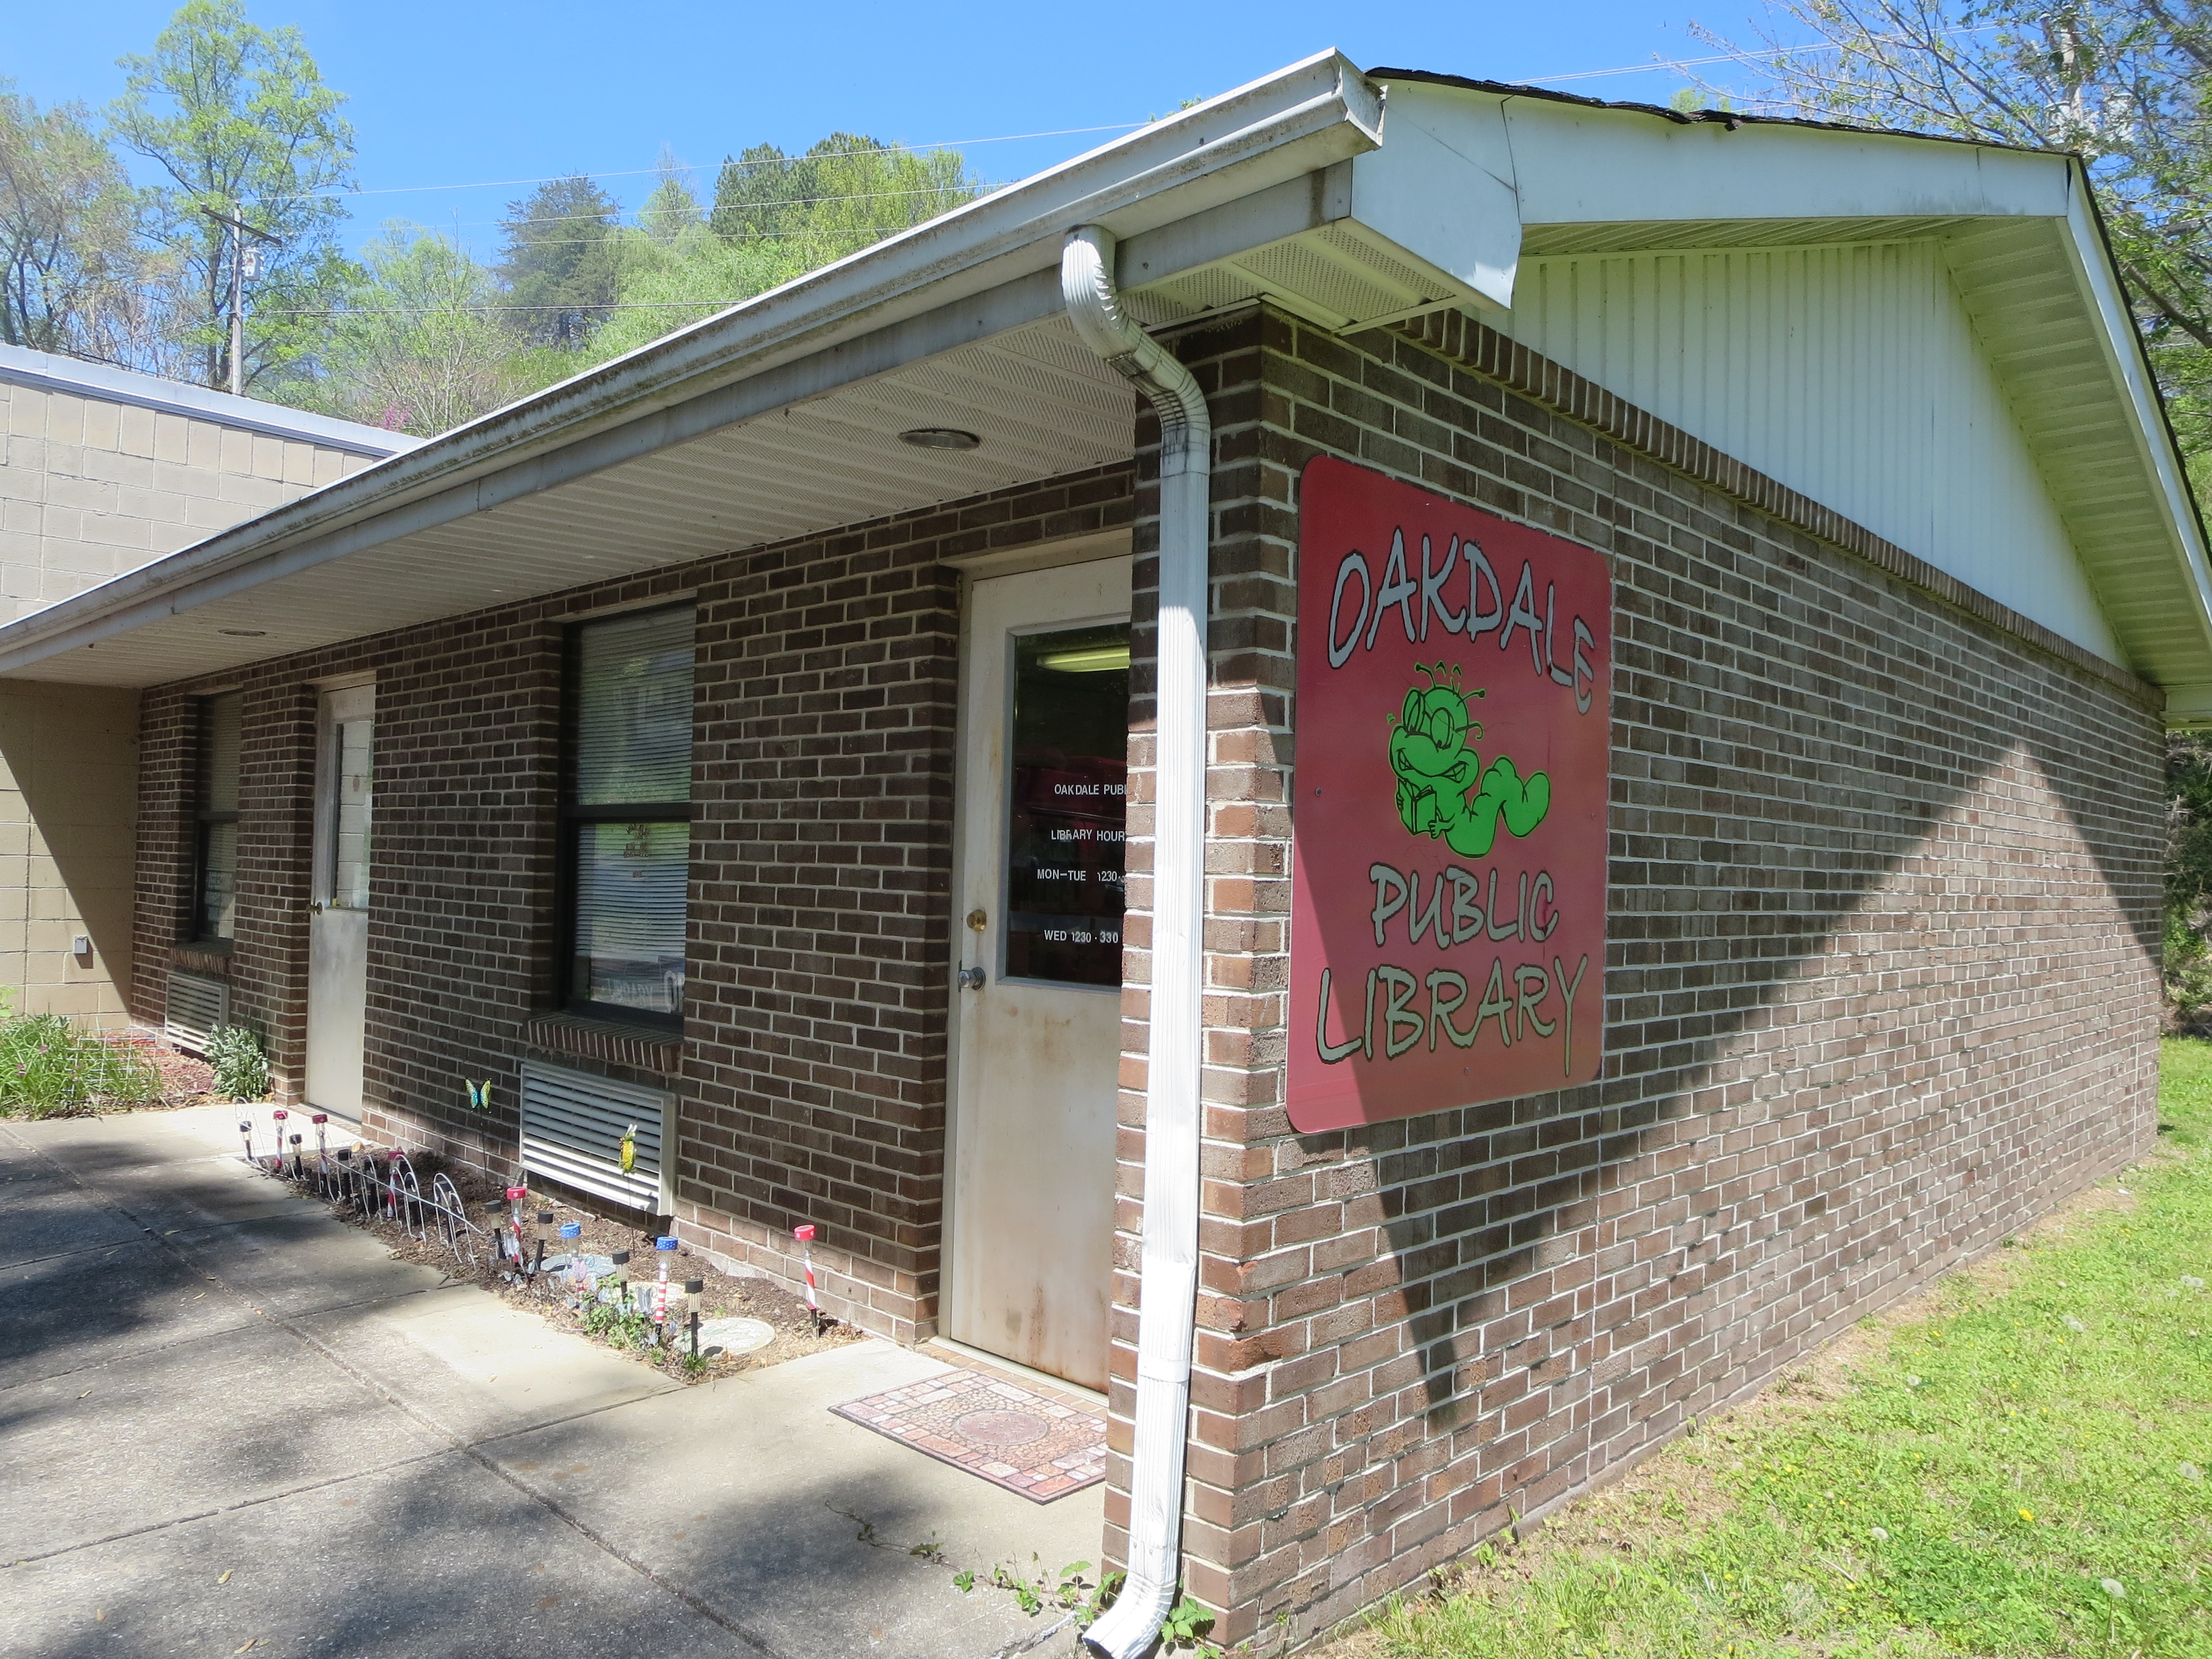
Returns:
point(1851, 372)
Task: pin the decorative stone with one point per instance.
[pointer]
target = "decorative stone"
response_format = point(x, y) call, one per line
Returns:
point(734, 1335)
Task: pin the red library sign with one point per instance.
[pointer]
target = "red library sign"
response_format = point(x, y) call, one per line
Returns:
point(1454, 732)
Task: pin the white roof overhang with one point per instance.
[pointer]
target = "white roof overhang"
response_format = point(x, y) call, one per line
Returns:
point(779, 417)
point(2025, 249)
point(775, 418)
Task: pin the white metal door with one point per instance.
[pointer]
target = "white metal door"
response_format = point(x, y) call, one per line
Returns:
point(1045, 724)
point(337, 925)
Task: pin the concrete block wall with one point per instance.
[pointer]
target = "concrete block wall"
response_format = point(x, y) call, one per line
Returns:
point(1881, 987)
point(69, 783)
point(90, 489)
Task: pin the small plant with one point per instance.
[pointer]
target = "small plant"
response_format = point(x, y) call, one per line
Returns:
point(1025, 1594)
point(241, 1070)
point(1101, 1599)
point(1185, 1627)
point(49, 1068)
point(619, 1330)
point(965, 1580)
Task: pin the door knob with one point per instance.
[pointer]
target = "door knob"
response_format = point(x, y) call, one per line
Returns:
point(972, 979)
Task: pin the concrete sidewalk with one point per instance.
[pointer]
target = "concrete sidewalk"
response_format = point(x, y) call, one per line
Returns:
point(226, 1418)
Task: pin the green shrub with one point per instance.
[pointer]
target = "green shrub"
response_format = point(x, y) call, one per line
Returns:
point(241, 1070)
point(49, 1068)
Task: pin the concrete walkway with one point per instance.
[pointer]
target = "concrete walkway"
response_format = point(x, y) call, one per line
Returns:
point(227, 1418)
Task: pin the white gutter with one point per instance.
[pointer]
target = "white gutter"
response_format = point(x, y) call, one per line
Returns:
point(1286, 126)
point(1168, 1282)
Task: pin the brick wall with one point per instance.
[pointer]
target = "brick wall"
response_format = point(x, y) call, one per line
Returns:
point(811, 1072)
point(1881, 984)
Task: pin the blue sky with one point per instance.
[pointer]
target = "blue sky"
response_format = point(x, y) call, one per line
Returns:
point(453, 95)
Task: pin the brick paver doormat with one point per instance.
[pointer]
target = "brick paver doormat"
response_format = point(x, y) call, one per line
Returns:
point(1011, 1436)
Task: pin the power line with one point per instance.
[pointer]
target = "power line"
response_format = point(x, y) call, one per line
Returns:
point(1748, 58)
point(637, 172)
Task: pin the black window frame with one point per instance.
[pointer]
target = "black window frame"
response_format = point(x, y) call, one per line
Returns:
point(205, 817)
point(573, 817)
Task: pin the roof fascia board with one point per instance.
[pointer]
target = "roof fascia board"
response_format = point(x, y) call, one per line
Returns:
point(209, 572)
point(205, 573)
point(2090, 256)
point(1572, 164)
point(1442, 189)
point(43, 371)
point(1278, 129)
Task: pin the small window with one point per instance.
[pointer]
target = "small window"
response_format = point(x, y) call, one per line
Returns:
point(215, 884)
point(626, 816)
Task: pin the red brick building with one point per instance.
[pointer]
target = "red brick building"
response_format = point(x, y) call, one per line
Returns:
point(739, 743)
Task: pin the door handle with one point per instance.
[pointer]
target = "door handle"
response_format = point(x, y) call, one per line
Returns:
point(972, 979)
point(317, 906)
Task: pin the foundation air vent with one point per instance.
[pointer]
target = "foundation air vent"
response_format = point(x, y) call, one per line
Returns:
point(572, 1125)
point(196, 1005)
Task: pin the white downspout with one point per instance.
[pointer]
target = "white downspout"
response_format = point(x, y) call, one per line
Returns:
point(1168, 1282)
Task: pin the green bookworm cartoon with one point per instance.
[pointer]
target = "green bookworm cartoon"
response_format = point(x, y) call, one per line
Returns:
point(1445, 792)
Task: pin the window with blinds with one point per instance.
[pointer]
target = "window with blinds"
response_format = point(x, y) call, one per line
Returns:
point(626, 815)
point(215, 872)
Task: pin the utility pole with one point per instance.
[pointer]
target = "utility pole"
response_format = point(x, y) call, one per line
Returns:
point(239, 230)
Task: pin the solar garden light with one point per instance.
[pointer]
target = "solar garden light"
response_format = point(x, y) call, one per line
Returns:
point(544, 1220)
point(572, 1234)
point(621, 1259)
point(276, 1164)
point(514, 1197)
point(298, 1170)
point(692, 1288)
point(322, 1145)
point(662, 1248)
point(805, 1237)
point(245, 1133)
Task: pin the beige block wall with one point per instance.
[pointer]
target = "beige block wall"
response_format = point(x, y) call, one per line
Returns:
point(68, 815)
point(91, 489)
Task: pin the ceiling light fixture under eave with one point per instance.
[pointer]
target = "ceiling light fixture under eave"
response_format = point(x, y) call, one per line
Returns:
point(940, 437)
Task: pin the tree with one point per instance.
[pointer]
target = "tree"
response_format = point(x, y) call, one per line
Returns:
point(2127, 83)
point(843, 193)
point(72, 277)
point(237, 118)
point(673, 208)
point(416, 346)
point(562, 265)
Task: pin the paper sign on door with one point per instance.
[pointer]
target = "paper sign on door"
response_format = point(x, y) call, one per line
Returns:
point(1453, 731)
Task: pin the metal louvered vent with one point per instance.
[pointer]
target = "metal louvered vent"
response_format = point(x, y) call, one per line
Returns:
point(195, 1005)
point(572, 1132)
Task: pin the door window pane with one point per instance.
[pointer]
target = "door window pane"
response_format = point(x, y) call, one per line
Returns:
point(630, 885)
point(350, 838)
point(1067, 805)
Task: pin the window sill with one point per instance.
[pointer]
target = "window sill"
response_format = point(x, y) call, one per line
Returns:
point(611, 1042)
point(202, 956)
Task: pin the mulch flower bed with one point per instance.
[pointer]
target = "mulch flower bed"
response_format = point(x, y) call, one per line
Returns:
point(184, 1081)
point(189, 1082)
point(550, 1295)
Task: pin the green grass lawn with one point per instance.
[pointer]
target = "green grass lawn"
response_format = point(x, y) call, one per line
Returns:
point(2019, 1467)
